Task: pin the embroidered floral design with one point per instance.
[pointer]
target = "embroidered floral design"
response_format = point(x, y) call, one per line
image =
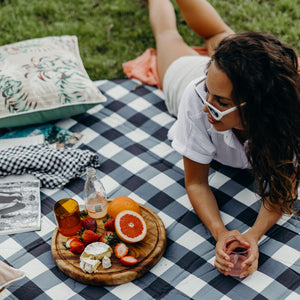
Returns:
point(67, 75)
point(9, 88)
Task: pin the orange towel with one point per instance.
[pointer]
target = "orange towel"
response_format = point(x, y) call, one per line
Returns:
point(144, 67)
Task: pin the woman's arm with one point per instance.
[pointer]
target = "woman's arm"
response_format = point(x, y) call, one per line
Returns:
point(206, 207)
point(201, 196)
point(266, 218)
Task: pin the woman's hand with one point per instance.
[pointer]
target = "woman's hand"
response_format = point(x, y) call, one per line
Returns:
point(252, 260)
point(222, 261)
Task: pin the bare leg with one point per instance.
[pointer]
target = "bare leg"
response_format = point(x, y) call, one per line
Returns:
point(205, 21)
point(199, 15)
point(169, 43)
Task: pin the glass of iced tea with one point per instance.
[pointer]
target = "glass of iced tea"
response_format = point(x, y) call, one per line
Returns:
point(238, 253)
point(67, 216)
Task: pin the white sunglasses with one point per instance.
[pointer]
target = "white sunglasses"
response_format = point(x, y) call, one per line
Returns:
point(217, 114)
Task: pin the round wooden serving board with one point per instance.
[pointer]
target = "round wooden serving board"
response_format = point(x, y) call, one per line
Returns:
point(148, 252)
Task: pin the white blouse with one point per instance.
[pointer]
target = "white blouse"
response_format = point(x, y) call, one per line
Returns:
point(195, 138)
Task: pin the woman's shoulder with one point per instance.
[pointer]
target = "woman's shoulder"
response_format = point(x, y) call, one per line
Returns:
point(190, 101)
point(191, 115)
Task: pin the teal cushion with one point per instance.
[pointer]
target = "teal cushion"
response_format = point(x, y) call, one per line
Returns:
point(43, 80)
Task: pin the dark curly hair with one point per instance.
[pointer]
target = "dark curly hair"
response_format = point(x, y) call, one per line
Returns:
point(263, 72)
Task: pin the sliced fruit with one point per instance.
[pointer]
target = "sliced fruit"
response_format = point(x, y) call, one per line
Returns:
point(122, 203)
point(128, 260)
point(109, 237)
point(69, 240)
point(90, 223)
point(77, 246)
point(120, 250)
point(90, 236)
point(130, 226)
point(78, 249)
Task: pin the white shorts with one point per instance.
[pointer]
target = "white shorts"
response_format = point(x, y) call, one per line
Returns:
point(179, 74)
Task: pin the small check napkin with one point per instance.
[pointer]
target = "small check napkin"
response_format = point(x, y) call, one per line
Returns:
point(53, 167)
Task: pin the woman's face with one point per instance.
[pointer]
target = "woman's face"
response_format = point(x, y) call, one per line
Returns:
point(219, 89)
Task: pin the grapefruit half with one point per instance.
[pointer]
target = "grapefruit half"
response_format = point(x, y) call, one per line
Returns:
point(130, 226)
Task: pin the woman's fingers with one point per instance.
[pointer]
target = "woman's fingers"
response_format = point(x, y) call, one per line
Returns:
point(238, 239)
point(224, 269)
point(232, 246)
point(249, 271)
point(221, 254)
point(222, 261)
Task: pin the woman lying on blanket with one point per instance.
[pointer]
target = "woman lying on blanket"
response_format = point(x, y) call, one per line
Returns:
point(240, 107)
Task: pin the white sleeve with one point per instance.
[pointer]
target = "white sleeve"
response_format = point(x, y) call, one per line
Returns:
point(189, 133)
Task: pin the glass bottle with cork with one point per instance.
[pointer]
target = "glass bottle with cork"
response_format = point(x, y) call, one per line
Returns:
point(94, 195)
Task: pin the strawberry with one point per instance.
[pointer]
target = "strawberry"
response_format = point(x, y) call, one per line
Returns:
point(75, 245)
point(109, 237)
point(90, 223)
point(128, 260)
point(120, 250)
point(67, 244)
point(90, 236)
point(78, 248)
point(109, 224)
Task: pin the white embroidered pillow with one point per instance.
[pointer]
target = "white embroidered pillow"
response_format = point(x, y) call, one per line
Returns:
point(42, 80)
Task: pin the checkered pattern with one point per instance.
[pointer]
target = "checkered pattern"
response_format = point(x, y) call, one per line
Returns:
point(53, 167)
point(129, 134)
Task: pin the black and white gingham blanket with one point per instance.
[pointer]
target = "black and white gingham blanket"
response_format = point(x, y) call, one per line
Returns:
point(129, 134)
point(53, 167)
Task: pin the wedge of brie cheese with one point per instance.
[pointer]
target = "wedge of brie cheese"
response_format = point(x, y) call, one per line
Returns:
point(89, 265)
point(96, 251)
point(106, 263)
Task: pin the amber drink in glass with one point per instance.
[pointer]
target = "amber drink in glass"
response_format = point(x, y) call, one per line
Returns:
point(67, 216)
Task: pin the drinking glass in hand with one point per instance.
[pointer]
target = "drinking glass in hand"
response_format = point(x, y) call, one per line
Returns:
point(238, 253)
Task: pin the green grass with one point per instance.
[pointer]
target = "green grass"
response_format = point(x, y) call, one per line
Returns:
point(111, 32)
